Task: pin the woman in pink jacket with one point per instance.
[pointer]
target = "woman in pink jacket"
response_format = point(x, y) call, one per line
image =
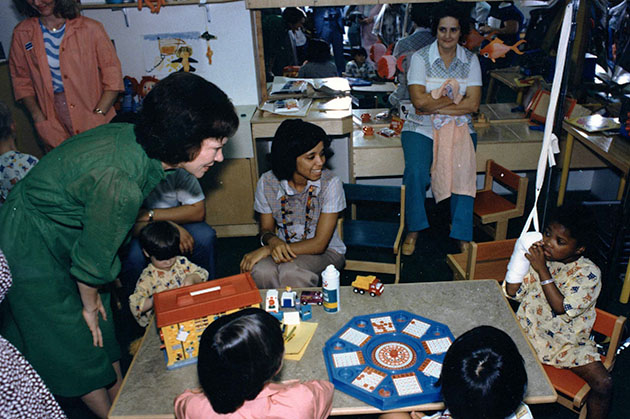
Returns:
point(64, 69)
point(239, 354)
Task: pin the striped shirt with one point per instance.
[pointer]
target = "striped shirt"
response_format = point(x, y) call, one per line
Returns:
point(52, 41)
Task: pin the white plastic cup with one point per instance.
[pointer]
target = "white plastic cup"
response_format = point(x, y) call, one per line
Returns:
point(330, 285)
point(519, 265)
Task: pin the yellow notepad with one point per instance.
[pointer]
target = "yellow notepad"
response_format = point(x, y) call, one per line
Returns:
point(295, 347)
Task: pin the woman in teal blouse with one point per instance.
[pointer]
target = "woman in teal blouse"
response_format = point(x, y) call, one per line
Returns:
point(62, 225)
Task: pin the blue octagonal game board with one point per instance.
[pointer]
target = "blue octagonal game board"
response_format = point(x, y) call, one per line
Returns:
point(388, 360)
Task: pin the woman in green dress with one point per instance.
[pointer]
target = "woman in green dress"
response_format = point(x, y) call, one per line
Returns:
point(62, 225)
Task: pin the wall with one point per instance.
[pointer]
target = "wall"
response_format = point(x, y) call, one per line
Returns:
point(233, 65)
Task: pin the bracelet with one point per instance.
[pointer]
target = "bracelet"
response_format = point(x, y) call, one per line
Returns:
point(262, 236)
point(546, 282)
point(151, 215)
point(99, 111)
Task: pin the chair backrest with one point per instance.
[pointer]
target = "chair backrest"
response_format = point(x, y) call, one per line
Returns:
point(503, 176)
point(495, 255)
point(508, 179)
point(612, 326)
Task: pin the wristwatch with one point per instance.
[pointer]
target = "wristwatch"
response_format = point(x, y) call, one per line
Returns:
point(151, 215)
point(99, 111)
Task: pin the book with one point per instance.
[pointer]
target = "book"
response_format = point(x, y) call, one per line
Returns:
point(295, 347)
point(293, 107)
point(595, 123)
point(289, 87)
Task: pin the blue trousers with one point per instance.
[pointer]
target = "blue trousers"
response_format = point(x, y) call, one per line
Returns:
point(204, 255)
point(418, 150)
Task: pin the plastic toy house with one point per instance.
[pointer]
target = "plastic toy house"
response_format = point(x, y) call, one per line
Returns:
point(183, 314)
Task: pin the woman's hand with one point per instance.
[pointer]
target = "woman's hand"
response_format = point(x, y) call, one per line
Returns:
point(90, 315)
point(252, 258)
point(92, 305)
point(536, 257)
point(281, 251)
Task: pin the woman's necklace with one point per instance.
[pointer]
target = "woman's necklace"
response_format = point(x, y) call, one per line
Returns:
point(285, 211)
point(54, 28)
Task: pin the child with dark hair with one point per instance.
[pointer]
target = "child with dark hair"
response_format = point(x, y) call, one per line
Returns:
point(239, 355)
point(13, 164)
point(166, 270)
point(483, 377)
point(558, 296)
point(301, 200)
point(359, 66)
point(318, 61)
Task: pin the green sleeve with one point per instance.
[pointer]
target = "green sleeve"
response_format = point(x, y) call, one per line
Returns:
point(111, 200)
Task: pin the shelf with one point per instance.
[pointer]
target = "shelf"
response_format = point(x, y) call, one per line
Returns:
point(135, 5)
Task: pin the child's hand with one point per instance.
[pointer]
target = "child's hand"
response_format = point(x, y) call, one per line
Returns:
point(536, 257)
point(192, 279)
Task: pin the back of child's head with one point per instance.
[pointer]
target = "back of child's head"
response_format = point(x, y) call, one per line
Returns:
point(483, 375)
point(238, 354)
point(7, 128)
point(318, 51)
point(160, 240)
point(579, 220)
point(354, 51)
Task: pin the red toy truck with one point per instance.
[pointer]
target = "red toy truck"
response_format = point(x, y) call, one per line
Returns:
point(368, 283)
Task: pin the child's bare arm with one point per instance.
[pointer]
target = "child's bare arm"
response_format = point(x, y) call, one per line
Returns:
point(554, 297)
point(148, 304)
point(512, 288)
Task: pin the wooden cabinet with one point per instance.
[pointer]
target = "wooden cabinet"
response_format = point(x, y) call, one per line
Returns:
point(229, 186)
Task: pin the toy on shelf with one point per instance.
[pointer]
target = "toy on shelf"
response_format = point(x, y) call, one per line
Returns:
point(271, 301)
point(311, 297)
point(288, 298)
point(183, 314)
point(370, 284)
point(388, 360)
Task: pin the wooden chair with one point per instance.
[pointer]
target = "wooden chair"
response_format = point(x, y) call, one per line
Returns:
point(572, 390)
point(373, 234)
point(487, 260)
point(490, 207)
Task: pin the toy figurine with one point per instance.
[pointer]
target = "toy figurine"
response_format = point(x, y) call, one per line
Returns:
point(129, 103)
point(306, 312)
point(271, 301)
point(288, 298)
point(497, 49)
point(145, 86)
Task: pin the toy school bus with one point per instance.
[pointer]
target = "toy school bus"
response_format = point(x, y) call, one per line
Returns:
point(183, 314)
point(368, 284)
